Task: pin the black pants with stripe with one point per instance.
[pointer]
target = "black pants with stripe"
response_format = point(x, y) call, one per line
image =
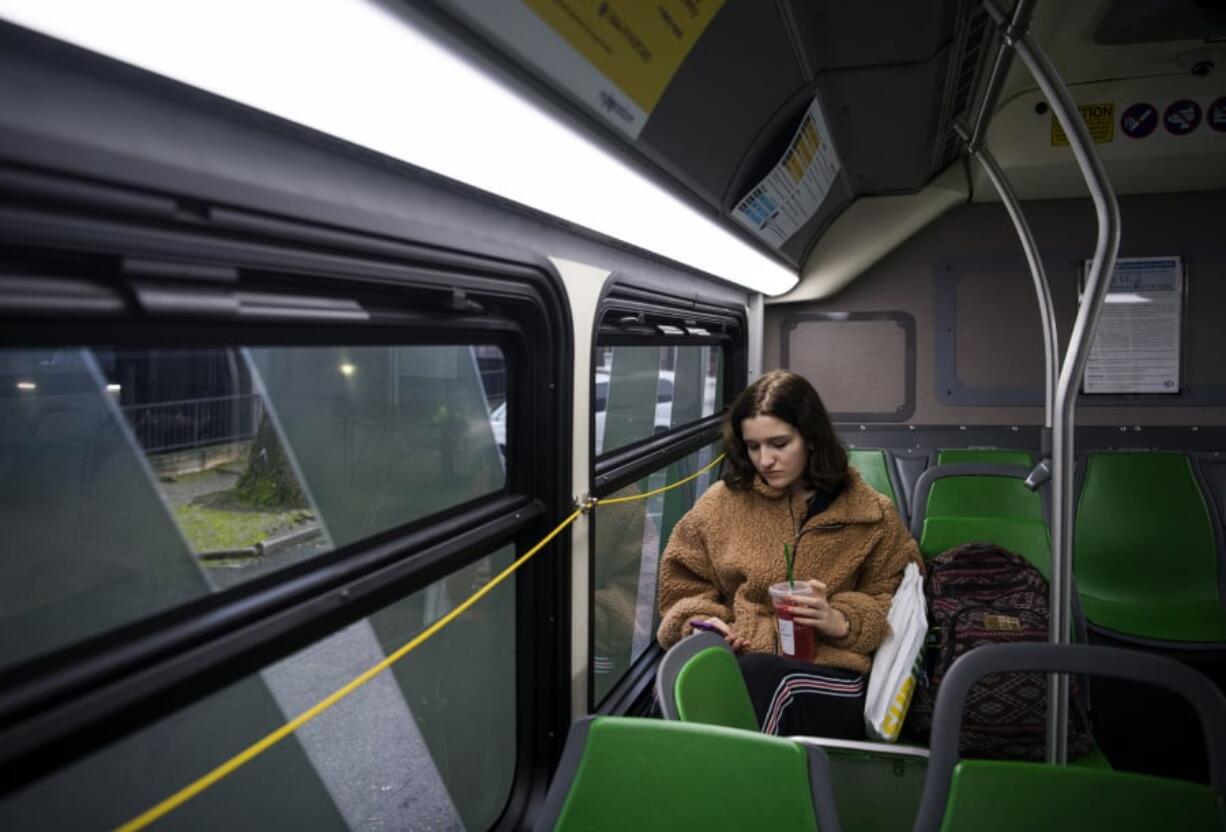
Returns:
point(793, 698)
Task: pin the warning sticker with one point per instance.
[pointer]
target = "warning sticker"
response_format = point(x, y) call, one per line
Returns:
point(1099, 118)
point(1182, 117)
point(790, 194)
point(1216, 115)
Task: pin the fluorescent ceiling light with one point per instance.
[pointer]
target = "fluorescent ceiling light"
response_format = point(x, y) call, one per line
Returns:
point(357, 70)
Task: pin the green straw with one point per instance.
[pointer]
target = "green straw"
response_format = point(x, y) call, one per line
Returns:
point(787, 557)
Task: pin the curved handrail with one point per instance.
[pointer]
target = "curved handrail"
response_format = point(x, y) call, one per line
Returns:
point(1106, 247)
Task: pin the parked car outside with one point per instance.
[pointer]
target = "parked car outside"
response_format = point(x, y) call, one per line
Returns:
point(663, 414)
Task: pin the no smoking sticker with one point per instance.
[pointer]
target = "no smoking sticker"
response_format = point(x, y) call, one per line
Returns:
point(1139, 120)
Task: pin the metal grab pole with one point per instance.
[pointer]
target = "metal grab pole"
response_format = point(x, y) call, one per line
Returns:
point(996, 78)
point(1042, 288)
point(1097, 283)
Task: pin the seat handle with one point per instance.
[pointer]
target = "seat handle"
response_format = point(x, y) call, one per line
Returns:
point(1038, 476)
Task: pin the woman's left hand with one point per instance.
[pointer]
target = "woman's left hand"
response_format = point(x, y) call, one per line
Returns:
point(815, 611)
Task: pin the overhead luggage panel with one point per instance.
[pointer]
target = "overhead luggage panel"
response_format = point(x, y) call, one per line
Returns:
point(711, 94)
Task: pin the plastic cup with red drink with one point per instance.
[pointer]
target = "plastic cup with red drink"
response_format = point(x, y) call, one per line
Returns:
point(796, 641)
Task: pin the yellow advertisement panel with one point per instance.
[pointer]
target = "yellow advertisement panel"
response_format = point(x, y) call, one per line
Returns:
point(635, 44)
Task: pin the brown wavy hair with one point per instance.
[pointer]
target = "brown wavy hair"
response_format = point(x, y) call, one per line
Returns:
point(791, 398)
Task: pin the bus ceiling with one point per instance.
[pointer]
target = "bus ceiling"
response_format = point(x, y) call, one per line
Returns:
point(823, 133)
point(805, 139)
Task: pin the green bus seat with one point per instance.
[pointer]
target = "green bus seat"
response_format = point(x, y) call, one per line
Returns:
point(990, 794)
point(1145, 552)
point(1028, 538)
point(1003, 456)
point(619, 773)
point(698, 680)
point(960, 502)
point(963, 502)
point(874, 468)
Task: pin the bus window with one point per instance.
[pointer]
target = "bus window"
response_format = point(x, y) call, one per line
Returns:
point(429, 744)
point(646, 391)
point(139, 478)
point(661, 372)
point(628, 541)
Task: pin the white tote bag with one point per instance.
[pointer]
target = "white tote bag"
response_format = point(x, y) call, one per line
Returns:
point(896, 663)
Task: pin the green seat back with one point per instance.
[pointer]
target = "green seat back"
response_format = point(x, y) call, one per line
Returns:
point(1143, 531)
point(1144, 551)
point(711, 690)
point(983, 496)
point(648, 774)
point(1005, 457)
point(1007, 796)
point(1028, 538)
point(872, 467)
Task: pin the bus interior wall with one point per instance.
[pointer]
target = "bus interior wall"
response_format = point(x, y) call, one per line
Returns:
point(966, 267)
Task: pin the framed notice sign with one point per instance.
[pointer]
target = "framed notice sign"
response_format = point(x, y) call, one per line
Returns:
point(1136, 346)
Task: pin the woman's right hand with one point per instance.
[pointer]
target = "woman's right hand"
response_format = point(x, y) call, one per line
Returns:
point(737, 643)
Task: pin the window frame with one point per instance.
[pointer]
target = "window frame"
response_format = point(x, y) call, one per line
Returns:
point(64, 704)
point(641, 312)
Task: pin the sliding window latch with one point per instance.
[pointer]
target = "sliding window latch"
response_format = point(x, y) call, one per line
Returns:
point(459, 301)
point(183, 290)
point(193, 290)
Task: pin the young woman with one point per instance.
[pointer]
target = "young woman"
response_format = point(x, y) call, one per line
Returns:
point(786, 481)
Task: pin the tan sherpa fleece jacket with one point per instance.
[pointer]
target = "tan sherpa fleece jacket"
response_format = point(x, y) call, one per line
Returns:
point(726, 552)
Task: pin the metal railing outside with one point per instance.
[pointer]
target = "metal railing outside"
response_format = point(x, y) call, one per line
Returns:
point(194, 423)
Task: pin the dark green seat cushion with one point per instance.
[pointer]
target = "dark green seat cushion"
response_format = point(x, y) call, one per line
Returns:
point(1144, 554)
point(983, 496)
point(652, 774)
point(1190, 621)
point(1006, 796)
point(996, 455)
point(871, 464)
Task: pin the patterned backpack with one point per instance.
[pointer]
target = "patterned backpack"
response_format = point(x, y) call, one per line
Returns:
point(981, 593)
